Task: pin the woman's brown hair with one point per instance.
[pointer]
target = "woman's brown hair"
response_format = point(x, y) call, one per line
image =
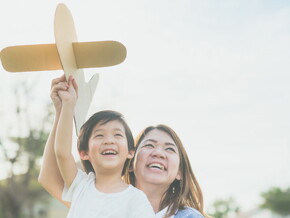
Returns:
point(181, 193)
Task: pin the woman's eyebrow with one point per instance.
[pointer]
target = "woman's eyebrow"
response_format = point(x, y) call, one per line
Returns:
point(170, 144)
point(166, 143)
point(150, 140)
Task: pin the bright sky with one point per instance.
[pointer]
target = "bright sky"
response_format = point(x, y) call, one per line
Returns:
point(218, 72)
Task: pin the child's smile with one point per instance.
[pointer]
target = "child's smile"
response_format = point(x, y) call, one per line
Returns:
point(109, 152)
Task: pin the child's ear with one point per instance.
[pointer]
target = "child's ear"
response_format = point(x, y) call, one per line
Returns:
point(131, 169)
point(83, 155)
point(131, 166)
point(130, 154)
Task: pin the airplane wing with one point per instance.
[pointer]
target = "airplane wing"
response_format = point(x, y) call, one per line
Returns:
point(44, 57)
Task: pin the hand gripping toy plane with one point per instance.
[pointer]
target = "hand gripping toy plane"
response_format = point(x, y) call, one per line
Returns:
point(67, 54)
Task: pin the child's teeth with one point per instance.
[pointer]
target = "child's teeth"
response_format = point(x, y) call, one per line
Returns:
point(109, 152)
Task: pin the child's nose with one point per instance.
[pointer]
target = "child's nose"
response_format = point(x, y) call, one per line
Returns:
point(109, 140)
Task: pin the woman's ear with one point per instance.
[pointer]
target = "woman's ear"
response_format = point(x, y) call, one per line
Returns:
point(83, 155)
point(178, 176)
point(130, 154)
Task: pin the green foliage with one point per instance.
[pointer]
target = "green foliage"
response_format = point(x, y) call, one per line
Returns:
point(277, 200)
point(19, 192)
point(222, 208)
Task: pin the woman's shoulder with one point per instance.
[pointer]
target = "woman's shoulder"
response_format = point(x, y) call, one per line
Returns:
point(188, 212)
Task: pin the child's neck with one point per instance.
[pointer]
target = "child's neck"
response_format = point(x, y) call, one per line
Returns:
point(110, 183)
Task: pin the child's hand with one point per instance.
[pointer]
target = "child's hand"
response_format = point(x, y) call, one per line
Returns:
point(57, 85)
point(70, 94)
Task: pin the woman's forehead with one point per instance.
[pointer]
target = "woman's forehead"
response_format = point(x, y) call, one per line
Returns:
point(158, 136)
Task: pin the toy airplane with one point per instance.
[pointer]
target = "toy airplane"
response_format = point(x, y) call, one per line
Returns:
point(69, 55)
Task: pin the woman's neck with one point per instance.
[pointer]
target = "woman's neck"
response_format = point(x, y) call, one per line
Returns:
point(154, 194)
point(110, 183)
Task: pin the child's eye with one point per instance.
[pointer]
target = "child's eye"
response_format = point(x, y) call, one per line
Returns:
point(98, 136)
point(119, 135)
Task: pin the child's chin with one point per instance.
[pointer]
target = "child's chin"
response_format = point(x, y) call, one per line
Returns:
point(112, 166)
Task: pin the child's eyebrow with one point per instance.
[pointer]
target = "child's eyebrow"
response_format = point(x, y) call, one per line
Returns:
point(100, 129)
point(118, 129)
point(97, 130)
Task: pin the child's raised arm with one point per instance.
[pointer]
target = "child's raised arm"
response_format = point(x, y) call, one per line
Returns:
point(64, 130)
point(49, 176)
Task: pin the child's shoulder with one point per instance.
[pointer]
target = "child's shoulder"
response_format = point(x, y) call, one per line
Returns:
point(136, 194)
point(135, 190)
point(88, 176)
point(139, 204)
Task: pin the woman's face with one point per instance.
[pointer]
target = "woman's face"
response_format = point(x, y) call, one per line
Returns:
point(157, 160)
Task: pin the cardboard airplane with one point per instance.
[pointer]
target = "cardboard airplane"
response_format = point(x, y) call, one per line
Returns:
point(69, 55)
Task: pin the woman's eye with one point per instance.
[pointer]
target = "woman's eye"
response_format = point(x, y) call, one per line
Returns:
point(149, 145)
point(171, 149)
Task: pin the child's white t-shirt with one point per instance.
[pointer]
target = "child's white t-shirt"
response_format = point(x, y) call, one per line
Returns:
point(88, 202)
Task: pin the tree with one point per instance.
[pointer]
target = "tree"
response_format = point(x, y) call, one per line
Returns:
point(277, 200)
point(22, 150)
point(222, 208)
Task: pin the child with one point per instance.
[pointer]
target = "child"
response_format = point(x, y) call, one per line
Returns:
point(105, 146)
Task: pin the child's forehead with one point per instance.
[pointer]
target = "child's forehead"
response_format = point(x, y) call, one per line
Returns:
point(111, 124)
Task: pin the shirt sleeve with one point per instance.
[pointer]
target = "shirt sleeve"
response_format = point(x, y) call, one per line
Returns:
point(69, 192)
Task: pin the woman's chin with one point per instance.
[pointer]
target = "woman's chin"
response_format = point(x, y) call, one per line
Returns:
point(156, 178)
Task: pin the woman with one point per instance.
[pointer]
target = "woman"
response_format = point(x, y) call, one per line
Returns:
point(160, 169)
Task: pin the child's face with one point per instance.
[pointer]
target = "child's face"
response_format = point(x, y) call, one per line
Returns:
point(108, 148)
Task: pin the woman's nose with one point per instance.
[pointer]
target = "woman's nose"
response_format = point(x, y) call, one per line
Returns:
point(158, 152)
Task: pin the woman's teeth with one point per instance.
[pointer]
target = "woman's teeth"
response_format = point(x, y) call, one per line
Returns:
point(156, 165)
